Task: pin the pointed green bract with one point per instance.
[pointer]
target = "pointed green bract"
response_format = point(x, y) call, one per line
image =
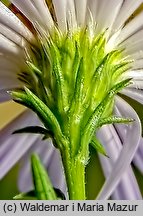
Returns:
point(45, 114)
point(42, 184)
point(98, 146)
point(34, 68)
point(99, 112)
point(113, 120)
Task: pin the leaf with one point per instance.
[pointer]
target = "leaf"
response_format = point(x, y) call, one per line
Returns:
point(98, 146)
point(43, 187)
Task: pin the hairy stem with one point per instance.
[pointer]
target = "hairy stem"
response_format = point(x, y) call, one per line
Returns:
point(75, 175)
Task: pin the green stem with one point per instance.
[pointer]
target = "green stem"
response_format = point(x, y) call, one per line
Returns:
point(75, 176)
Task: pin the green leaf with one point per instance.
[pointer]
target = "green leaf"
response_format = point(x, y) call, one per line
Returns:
point(98, 146)
point(43, 187)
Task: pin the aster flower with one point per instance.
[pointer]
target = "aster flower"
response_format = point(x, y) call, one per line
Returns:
point(68, 61)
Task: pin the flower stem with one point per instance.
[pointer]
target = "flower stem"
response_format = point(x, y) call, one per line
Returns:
point(75, 176)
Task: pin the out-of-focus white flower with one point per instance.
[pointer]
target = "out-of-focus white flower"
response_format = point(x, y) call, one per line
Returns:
point(122, 32)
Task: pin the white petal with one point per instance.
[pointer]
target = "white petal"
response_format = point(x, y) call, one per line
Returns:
point(135, 94)
point(136, 56)
point(44, 13)
point(8, 78)
point(9, 46)
point(92, 7)
point(137, 84)
point(105, 17)
point(8, 19)
point(71, 16)
point(127, 153)
point(81, 9)
point(60, 10)
point(140, 149)
point(132, 27)
point(129, 6)
point(27, 8)
point(138, 64)
point(13, 147)
point(127, 188)
point(138, 162)
point(11, 62)
point(9, 73)
point(122, 130)
point(135, 74)
point(134, 49)
point(11, 35)
point(9, 82)
point(133, 38)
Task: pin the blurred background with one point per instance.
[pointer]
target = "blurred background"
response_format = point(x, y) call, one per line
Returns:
point(8, 185)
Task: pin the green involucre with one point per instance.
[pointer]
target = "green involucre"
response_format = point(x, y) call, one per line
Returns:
point(71, 84)
point(74, 76)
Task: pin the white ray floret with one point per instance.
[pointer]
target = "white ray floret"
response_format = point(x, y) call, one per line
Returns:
point(126, 11)
point(81, 7)
point(60, 11)
point(110, 139)
point(8, 19)
point(126, 155)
